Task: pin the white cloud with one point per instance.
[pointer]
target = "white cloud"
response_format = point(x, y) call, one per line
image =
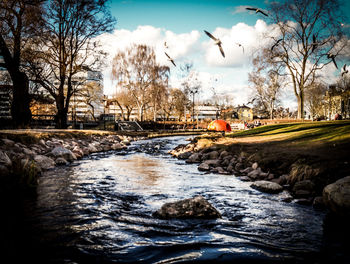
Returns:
point(250, 37)
point(180, 46)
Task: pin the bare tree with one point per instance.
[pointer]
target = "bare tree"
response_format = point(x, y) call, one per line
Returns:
point(266, 83)
point(310, 37)
point(137, 71)
point(20, 20)
point(68, 47)
point(125, 102)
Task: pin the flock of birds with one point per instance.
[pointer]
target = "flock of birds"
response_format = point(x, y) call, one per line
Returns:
point(218, 42)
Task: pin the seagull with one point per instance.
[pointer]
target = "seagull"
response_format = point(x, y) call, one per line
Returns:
point(217, 42)
point(332, 57)
point(314, 43)
point(344, 70)
point(252, 101)
point(165, 45)
point(257, 10)
point(240, 45)
point(170, 59)
point(276, 44)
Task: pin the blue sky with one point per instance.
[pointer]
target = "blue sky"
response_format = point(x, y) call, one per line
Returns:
point(181, 24)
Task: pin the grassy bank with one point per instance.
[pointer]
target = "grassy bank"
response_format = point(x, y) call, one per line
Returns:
point(318, 151)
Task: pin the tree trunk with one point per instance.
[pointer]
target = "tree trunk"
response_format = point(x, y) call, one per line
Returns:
point(62, 112)
point(20, 111)
point(300, 105)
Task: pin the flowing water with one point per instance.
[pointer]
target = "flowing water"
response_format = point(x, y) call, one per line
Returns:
point(99, 210)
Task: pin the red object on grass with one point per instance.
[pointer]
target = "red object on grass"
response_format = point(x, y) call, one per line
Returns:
point(219, 125)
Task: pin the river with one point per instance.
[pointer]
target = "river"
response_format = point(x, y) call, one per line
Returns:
point(99, 210)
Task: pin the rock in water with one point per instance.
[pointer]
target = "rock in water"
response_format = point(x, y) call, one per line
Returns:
point(196, 207)
point(336, 196)
point(267, 186)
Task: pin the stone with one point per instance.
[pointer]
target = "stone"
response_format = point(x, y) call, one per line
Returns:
point(267, 186)
point(213, 163)
point(281, 180)
point(223, 154)
point(220, 170)
point(254, 174)
point(44, 162)
point(244, 178)
point(5, 160)
point(246, 170)
point(8, 142)
point(196, 207)
point(184, 155)
point(61, 152)
point(336, 196)
point(303, 189)
point(194, 158)
point(204, 167)
point(42, 142)
point(211, 155)
point(61, 161)
point(255, 165)
point(239, 166)
point(318, 203)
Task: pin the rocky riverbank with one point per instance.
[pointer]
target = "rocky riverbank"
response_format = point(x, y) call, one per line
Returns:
point(23, 156)
point(307, 184)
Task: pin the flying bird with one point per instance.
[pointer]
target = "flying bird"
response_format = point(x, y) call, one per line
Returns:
point(251, 101)
point(240, 45)
point(170, 59)
point(345, 71)
point(332, 57)
point(217, 42)
point(276, 44)
point(257, 10)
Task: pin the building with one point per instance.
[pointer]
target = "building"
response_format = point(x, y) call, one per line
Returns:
point(245, 113)
point(87, 102)
point(5, 92)
point(203, 112)
point(336, 102)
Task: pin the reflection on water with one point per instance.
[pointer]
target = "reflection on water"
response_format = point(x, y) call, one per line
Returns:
point(100, 211)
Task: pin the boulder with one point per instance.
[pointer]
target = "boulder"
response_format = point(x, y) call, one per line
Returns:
point(44, 162)
point(303, 189)
point(184, 155)
point(5, 160)
point(204, 167)
point(61, 161)
point(61, 152)
point(223, 154)
point(213, 163)
point(194, 158)
point(336, 196)
point(8, 142)
point(267, 186)
point(196, 207)
point(254, 174)
point(211, 155)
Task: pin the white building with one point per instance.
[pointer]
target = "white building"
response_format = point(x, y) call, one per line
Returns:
point(202, 112)
point(87, 102)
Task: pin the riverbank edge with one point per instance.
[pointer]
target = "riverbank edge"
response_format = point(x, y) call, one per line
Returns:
point(26, 153)
point(306, 183)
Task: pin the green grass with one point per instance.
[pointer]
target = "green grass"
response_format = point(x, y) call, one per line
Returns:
point(332, 131)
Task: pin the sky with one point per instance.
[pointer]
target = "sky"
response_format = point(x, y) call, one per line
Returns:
point(181, 24)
